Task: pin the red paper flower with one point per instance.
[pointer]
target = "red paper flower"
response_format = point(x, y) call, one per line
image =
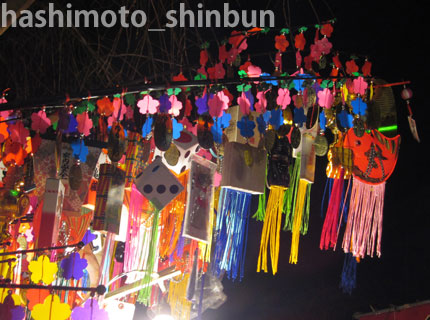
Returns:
point(336, 61)
point(105, 107)
point(4, 134)
point(203, 57)
point(238, 41)
point(366, 68)
point(300, 41)
point(18, 133)
point(298, 58)
point(281, 43)
point(324, 46)
point(216, 72)
point(222, 53)
point(327, 29)
point(85, 124)
point(308, 62)
point(351, 66)
point(40, 122)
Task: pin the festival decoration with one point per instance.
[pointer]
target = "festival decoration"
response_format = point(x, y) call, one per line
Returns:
point(164, 176)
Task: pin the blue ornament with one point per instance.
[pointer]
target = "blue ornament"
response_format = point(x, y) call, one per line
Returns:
point(299, 116)
point(80, 150)
point(250, 97)
point(246, 127)
point(359, 106)
point(268, 76)
point(322, 120)
point(147, 126)
point(177, 128)
point(276, 119)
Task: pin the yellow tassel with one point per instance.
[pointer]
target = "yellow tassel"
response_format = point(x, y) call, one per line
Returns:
point(297, 222)
point(271, 229)
point(180, 307)
point(371, 91)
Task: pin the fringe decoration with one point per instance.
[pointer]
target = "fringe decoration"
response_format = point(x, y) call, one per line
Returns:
point(261, 211)
point(348, 279)
point(364, 226)
point(330, 226)
point(231, 233)
point(301, 218)
point(329, 185)
point(145, 294)
point(171, 220)
point(179, 305)
point(271, 229)
point(290, 195)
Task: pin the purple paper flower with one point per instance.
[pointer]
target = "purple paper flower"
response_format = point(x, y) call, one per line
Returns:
point(202, 104)
point(165, 103)
point(73, 266)
point(90, 310)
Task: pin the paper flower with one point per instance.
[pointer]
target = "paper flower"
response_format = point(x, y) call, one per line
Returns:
point(262, 122)
point(250, 98)
point(351, 66)
point(203, 57)
point(244, 104)
point(366, 68)
point(359, 86)
point(261, 104)
point(80, 150)
point(217, 71)
point(29, 234)
point(298, 58)
point(284, 98)
point(276, 119)
point(88, 237)
point(147, 126)
point(119, 109)
point(359, 106)
point(165, 103)
point(238, 41)
point(176, 106)
point(246, 127)
point(73, 266)
point(327, 29)
point(177, 128)
point(90, 310)
point(218, 103)
point(105, 107)
point(84, 123)
point(325, 98)
point(324, 46)
point(51, 309)
point(189, 126)
point(300, 41)
point(18, 133)
point(345, 119)
point(299, 116)
point(9, 310)
point(43, 270)
point(40, 122)
point(73, 125)
point(202, 104)
point(281, 43)
point(4, 133)
point(222, 53)
point(219, 125)
point(148, 105)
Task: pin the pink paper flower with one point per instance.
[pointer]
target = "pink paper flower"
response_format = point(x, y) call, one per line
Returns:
point(359, 86)
point(284, 98)
point(325, 98)
point(244, 104)
point(40, 122)
point(218, 103)
point(84, 123)
point(176, 107)
point(148, 105)
point(261, 104)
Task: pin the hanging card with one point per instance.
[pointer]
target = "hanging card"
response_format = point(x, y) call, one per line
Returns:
point(200, 187)
point(114, 201)
point(242, 176)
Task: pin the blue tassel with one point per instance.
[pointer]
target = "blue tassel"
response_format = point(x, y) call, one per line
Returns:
point(231, 233)
point(348, 280)
point(328, 184)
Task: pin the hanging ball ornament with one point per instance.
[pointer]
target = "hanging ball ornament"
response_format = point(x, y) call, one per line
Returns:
point(406, 93)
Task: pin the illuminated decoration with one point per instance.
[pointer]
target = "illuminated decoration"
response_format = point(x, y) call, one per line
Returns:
point(157, 180)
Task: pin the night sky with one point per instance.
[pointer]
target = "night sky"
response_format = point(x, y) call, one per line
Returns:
point(392, 34)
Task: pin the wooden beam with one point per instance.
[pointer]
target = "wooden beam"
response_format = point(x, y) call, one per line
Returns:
point(17, 6)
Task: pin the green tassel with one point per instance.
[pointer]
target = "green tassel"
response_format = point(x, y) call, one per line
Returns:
point(305, 219)
point(144, 296)
point(260, 214)
point(291, 194)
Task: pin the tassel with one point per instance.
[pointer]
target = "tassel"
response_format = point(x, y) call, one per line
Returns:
point(261, 211)
point(291, 194)
point(329, 231)
point(271, 229)
point(299, 209)
point(179, 305)
point(364, 225)
point(231, 233)
point(145, 294)
point(349, 274)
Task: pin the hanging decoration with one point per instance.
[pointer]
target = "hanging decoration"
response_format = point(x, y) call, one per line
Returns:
point(158, 180)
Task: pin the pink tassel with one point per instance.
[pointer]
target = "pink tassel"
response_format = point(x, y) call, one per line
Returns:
point(364, 226)
point(329, 232)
